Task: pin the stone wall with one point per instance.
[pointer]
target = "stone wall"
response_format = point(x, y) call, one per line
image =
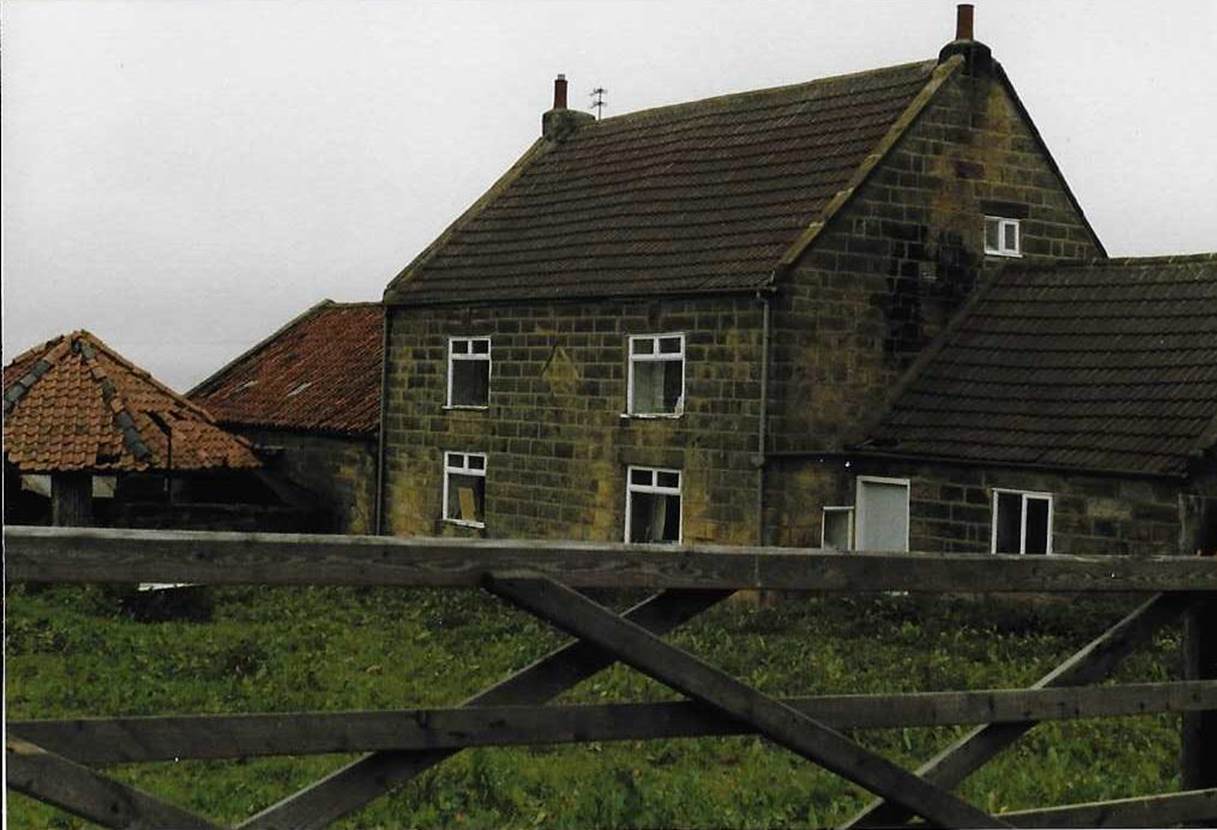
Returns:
point(885, 276)
point(339, 470)
point(951, 506)
point(557, 442)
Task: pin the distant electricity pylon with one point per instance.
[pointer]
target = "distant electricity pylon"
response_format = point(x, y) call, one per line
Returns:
point(598, 101)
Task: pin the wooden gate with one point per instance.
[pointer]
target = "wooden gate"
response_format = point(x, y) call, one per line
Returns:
point(53, 760)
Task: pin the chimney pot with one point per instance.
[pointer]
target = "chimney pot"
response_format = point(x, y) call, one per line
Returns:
point(963, 21)
point(560, 92)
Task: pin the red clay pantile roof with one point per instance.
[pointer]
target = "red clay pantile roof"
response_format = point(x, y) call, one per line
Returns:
point(319, 373)
point(75, 404)
point(1105, 365)
point(696, 197)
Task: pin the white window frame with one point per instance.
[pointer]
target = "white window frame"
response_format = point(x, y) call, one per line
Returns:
point(655, 357)
point(859, 513)
point(824, 524)
point(1022, 531)
point(469, 355)
point(1004, 222)
point(463, 470)
point(654, 488)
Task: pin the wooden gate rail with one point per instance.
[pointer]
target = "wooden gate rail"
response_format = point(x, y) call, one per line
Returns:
point(1150, 811)
point(1090, 664)
point(47, 554)
point(46, 758)
point(214, 737)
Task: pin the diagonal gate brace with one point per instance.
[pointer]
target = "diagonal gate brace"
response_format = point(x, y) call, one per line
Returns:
point(366, 779)
point(782, 724)
point(1090, 664)
point(53, 779)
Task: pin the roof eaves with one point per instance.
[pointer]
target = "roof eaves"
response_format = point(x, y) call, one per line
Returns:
point(1039, 140)
point(964, 461)
point(899, 127)
point(214, 379)
point(534, 152)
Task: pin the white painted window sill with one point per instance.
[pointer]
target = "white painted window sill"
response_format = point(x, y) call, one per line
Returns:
point(467, 407)
point(1006, 254)
point(652, 416)
point(464, 523)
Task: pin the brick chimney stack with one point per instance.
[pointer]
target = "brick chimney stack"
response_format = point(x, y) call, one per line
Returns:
point(963, 22)
point(978, 59)
point(559, 122)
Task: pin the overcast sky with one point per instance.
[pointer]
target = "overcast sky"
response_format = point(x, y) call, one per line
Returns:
point(183, 178)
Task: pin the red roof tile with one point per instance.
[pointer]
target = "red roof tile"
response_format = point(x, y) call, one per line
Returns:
point(73, 403)
point(319, 373)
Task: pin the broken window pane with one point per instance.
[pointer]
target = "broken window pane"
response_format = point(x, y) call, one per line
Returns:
point(837, 529)
point(466, 498)
point(658, 386)
point(1009, 522)
point(654, 517)
point(1037, 525)
point(992, 234)
point(470, 382)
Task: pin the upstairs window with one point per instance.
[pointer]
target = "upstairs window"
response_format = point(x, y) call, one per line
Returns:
point(468, 371)
point(657, 375)
point(1022, 522)
point(1002, 236)
point(652, 505)
point(882, 513)
point(465, 488)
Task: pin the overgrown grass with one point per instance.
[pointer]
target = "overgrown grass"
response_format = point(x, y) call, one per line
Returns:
point(70, 652)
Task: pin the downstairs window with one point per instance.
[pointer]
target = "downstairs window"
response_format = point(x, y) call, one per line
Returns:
point(652, 505)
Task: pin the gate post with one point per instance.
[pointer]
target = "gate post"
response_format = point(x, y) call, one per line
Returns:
point(1199, 744)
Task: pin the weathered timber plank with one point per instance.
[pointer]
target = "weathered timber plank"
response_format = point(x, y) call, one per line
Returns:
point(139, 739)
point(685, 673)
point(1090, 664)
point(48, 554)
point(1167, 810)
point(362, 781)
point(1198, 756)
point(55, 780)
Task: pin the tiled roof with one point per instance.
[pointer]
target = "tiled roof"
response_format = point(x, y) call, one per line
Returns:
point(1105, 365)
point(696, 197)
point(73, 403)
point(319, 373)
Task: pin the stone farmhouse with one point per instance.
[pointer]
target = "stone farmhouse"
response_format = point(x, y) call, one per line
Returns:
point(308, 397)
point(864, 312)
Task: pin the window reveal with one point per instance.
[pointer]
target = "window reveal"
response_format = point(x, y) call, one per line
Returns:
point(837, 531)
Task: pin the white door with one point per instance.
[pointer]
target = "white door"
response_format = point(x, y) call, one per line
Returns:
point(883, 514)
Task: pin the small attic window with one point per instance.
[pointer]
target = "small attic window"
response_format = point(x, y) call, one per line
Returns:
point(1003, 236)
point(299, 389)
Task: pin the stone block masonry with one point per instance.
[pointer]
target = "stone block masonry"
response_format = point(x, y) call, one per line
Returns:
point(557, 440)
point(888, 272)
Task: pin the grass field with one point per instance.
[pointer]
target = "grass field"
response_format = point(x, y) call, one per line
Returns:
point(70, 652)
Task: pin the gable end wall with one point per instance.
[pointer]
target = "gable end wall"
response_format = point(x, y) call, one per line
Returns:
point(888, 272)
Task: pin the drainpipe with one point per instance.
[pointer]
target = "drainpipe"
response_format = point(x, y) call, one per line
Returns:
point(759, 460)
point(378, 512)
